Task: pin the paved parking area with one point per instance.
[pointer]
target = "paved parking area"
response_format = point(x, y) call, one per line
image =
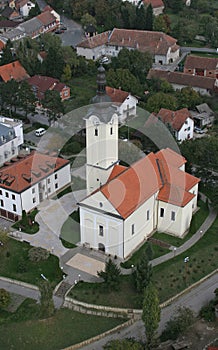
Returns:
point(86, 264)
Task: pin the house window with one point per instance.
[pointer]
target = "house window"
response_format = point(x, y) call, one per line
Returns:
point(13, 196)
point(34, 200)
point(14, 207)
point(133, 229)
point(56, 176)
point(33, 190)
point(2, 203)
point(161, 212)
point(173, 215)
point(96, 132)
point(116, 47)
point(101, 230)
point(56, 185)
point(6, 194)
point(0, 192)
point(148, 214)
point(49, 181)
point(111, 131)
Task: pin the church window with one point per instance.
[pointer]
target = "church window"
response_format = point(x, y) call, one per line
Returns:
point(161, 212)
point(101, 204)
point(111, 131)
point(173, 215)
point(101, 230)
point(133, 229)
point(96, 132)
point(148, 215)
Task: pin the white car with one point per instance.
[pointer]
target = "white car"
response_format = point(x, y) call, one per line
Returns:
point(40, 132)
point(104, 59)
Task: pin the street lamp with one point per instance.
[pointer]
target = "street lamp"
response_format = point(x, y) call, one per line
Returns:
point(79, 277)
point(201, 232)
point(186, 260)
point(174, 251)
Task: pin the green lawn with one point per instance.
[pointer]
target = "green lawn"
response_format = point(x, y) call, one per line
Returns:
point(70, 230)
point(28, 225)
point(14, 263)
point(170, 277)
point(23, 330)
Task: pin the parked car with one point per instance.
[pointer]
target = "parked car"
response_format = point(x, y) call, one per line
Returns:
point(40, 132)
point(104, 59)
point(63, 28)
point(59, 31)
point(198, 130)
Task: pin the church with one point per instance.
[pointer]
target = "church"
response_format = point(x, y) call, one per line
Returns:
point(126, 205)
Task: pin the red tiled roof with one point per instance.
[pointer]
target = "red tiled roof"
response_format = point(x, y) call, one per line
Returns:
point(154, 42)
point(42, 82)
point(59, 87)
point(46, 18)
point(128, 188)
point(95, 41)
point(14, 71)
point(2, 45)
point(193, 62)
point(117, 170)
point(29, 170)
point(154, 3)
point(116, 95)
point(182, 79)
point(174, 118)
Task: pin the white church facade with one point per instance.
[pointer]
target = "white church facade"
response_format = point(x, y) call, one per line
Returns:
point(126, 205)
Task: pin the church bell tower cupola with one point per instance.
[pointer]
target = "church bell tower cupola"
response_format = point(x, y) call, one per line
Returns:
point(101, 136)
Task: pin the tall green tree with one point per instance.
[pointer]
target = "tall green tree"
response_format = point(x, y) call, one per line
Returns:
point(54, 63)
point(7, 56)
point(46, 302)
point(26, 97)
point(111, 275)
point(52, 102)
point(188, 98)
point(161, 100)
point(122, 78)
point(149, 18)
point(143, 272)
point(151, 314)
point(9, 95)
point(140, 21)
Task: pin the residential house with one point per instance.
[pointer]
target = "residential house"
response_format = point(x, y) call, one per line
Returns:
point(8, 143)
point(180, 122)
point(32, 28)
point(162, 47)
point(40, 84)
point(125, 205)
point(17, 126)
point(48, 21)
point(125, 103)
point(157, 6)
point(13, 70)
point(26, 181)
point(203, 85)
point(201, 66)
point(10, 13)
point(203, 115)
point(134, 2)
point(24, 7)
point(7, 25)
point(53, 12)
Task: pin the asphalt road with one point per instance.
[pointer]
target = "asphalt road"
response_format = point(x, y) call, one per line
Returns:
point(195, 299)
point(17, 289)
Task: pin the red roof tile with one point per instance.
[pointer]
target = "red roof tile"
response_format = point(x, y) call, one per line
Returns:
point(128, 188)
point(116, 95)
point(14, 71)
point(182, 79)
point(42, 82)
point(29, 170)
point(95, 41)
point(175, 118)
point(154, 3)
point(46, 18)
point(193, 62)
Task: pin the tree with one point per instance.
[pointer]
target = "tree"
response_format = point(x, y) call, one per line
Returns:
point(188, 98)
point(26, 97)
point(3, 237)
point(87, 19)
point(143, 273)
point(67, 73)
point(7, 56)
point(46, 302)
point(178, 324)
point(37, 254)
point(52, 102)
point(150, 314)
point(149, 18)
point(122, 78)
point(4, 298)
point(140, 19)
point(111, 275)
point(161, 100)
point(53, 64)
point(124, 344)
point(162, 24)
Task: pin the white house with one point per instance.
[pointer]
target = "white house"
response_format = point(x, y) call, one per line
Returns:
point(17, 125)
point(8, 143)
point(125, 205)
point(162, 47)
point(124, 101)
point(27, 180)
point(180, 122)
point(24, 7)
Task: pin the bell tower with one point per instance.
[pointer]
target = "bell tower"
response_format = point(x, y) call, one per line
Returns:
point(101, 136)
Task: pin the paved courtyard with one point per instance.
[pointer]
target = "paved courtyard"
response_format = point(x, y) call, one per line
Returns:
point(86, 264)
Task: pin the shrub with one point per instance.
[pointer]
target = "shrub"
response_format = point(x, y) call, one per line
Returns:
point(22, 266)
point(208, 312)
point(37, 254)
point(4, 298)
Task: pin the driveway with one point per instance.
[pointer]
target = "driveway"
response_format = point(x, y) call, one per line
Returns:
point(52, 214)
